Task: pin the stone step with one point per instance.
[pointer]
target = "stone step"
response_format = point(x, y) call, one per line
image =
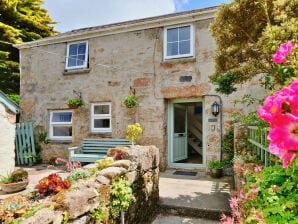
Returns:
point(189, 212)
point(197, 196)
point(172, 219)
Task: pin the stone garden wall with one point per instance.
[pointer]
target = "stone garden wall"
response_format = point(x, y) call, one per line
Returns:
point(138, 163)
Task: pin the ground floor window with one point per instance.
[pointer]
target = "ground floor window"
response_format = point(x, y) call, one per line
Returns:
point(61, 125)
point(101, 118)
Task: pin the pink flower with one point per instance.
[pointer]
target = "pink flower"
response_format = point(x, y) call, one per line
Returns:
point(283, 51)
point(271, 109)
point(285, 132)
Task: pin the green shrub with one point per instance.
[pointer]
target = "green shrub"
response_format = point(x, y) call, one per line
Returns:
point(78, 173)
point(104, 163)
point(215, 164)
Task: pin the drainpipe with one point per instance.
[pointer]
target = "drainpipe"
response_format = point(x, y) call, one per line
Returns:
point(220, 120)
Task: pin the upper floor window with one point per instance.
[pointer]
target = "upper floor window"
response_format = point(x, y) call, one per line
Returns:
point(77, 55)
point(101, 117)
point(61, 125)
point(178, 42)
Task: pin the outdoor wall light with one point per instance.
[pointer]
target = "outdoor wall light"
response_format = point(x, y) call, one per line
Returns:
point(215, 108)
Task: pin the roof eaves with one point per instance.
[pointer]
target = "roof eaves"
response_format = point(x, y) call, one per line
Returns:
point(12, 106)
point(110, 28)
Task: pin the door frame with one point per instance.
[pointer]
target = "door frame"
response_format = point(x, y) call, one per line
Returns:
point(170, 131)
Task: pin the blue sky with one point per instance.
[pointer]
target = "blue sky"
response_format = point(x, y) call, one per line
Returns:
point(75, 14)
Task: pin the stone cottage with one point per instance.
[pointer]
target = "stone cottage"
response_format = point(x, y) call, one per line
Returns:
point(8, 112)
point(165, 61)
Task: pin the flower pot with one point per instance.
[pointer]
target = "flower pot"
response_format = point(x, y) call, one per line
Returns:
point(71, 106)
point(216, 173)
point(14, 187)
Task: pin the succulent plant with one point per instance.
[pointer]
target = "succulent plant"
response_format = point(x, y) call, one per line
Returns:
point(19, 175)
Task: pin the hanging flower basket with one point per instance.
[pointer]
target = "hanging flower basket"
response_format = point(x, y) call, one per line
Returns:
point(75, 103)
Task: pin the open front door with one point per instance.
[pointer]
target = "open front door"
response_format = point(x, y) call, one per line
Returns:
point(180, 133)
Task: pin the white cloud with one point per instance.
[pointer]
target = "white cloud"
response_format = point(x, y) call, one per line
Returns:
point(74, 14)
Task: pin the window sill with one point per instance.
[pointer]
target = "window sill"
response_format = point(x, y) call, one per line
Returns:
point(178, 60)
point(59, 141)
point(100, 133)
point(76, 71)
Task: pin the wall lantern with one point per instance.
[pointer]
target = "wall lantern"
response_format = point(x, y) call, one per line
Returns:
point(215, 108)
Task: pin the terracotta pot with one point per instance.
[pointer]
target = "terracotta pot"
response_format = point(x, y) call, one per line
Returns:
point(71, 106)
point(216, 173)
point(14, 187)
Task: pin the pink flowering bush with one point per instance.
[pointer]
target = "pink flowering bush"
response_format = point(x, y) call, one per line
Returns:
point(267, 196)
point(283, 51)
point(281, 111)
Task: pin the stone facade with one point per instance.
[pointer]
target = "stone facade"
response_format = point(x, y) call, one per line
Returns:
point(125, 57)
point(7, 136)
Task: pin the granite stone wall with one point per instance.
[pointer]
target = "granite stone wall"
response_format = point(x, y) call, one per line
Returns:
point(118, 63)
point(138, 163)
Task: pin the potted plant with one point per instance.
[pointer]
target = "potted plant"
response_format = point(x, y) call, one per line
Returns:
point(14, 181)
point(216, 168)
point(74, 103)
point(130, 101)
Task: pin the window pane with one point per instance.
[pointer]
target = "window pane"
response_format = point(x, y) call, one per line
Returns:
point(73, 49)
point(71, 62)
point(61, 117)
point(82, 48)
point(172, 35)
point(62, 131)
point(81, 59)
point(101, 109)
point(101, 123)
point(172, 49)
point(184, 47)
point(184, 33)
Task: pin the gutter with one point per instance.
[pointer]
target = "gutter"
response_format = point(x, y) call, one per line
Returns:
point(220, 121)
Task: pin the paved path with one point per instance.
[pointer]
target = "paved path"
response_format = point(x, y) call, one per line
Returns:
point(192, 196)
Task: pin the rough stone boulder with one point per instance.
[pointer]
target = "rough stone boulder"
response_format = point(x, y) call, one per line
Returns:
point(44, 216)
point(145, 157)
point(112, 172)
point(79, 202)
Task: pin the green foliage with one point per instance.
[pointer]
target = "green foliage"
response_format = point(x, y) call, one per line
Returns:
point(99, 214)
point(226, 83)
point(75, 101)
point(6, 179)
point(273, 193)
point(15, 98)
point(228, 147)
point(20, 21)
point(15, 176)
point(78, 173)
point(122, 196)
point(130, 101)
point(215, 164)
point(250, 119)
point(65, 217)
point(43, 137)
point(247, 34)
point(104, 163)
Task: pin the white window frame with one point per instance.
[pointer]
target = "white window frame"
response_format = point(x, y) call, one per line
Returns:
point(55, 124)
point(86, 56)
point(101, 116)
point(165, 43)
